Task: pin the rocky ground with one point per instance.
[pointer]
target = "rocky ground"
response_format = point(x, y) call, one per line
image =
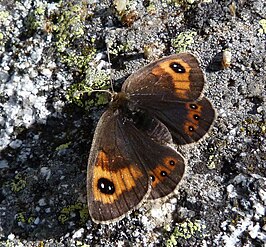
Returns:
point(53, 52)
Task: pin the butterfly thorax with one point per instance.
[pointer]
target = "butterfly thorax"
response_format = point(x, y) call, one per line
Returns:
point(130, 111)
point(119, 101)
point(122, 104)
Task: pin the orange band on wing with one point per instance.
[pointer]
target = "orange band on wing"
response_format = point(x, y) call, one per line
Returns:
point(167, 167)
point(181, 81)
point(123, 179)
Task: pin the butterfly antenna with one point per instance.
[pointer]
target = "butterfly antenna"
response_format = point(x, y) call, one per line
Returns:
point(109, 62)
point(102, 91)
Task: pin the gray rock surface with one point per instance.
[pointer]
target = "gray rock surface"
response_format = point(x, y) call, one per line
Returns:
point(45, 137)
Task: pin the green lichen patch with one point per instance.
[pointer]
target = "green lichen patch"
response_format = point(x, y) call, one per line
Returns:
point(262, 30)
point(25, 218)
point(81, 93)
point(3, 16)
point(185, 231)
point(78, 208)
point(78, 51)
point(182, 42)
point(63, 146)
point(211, 164)
point(35, 20)
point(254, 128)
point(121, 48)
point(69, 30)
point(18, 184)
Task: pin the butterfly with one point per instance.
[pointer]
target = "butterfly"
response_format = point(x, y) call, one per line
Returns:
point(132, 158)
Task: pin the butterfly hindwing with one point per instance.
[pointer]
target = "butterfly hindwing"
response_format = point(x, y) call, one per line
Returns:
point(187, 122)
point(164, 165)
point(166, 173)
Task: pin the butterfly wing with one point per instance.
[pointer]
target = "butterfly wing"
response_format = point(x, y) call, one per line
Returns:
point(178, 76)
point(116, 182)
point(149, 139)
point(170, 90)
point(126, 160)
point(187, 121)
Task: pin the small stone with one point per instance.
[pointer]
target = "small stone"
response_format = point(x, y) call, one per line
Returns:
point(45, 172)
point(15, 144)
point(231, 191)
point(78, 233)
point(253, 230)
point(3, 76)
point(47, 72)
point(11, 236)
point(48, 210)
point(262, 194)
point(3, 164)
point(37, 221)
point(42, 202)
point(260, 209)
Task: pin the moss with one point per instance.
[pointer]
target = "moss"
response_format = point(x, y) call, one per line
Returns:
point(183, 41)
point(185, 230)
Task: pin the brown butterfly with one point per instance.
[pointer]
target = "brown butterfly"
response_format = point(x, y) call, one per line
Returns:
point(131, 157)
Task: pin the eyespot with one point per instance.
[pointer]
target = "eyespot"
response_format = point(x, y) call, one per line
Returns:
point(191, 128)
point(172, 162)
point(163, 173)
point(196, 117)
point(178, 68)
point(193, 106)
point(106, 186)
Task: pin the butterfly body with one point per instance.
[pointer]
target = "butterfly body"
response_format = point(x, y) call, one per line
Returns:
point(132, 158)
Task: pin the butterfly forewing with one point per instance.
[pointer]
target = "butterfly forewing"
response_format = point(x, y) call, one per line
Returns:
point(117, 182)
point(173, 77)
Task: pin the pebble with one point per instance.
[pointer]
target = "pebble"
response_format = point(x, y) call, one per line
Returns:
point(78, 233)
point(15, 144)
